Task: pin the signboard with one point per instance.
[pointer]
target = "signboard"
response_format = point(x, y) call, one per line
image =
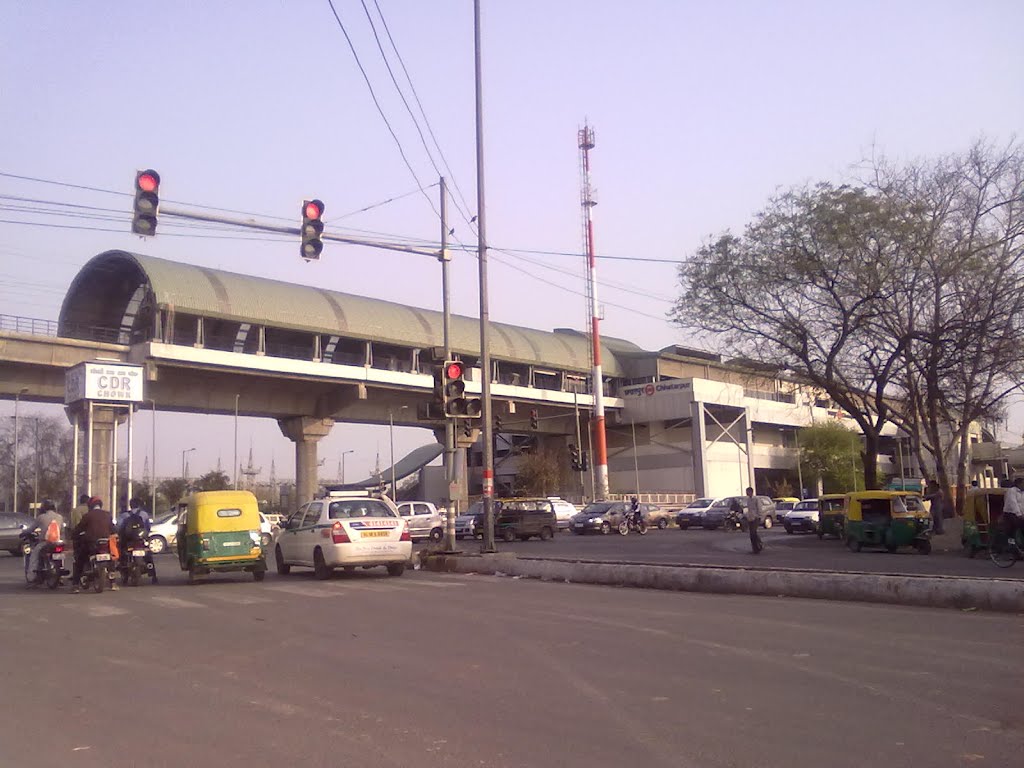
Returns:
point(646, 390)
point(106, 382)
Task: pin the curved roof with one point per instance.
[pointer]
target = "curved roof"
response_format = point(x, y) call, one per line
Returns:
point(100, 295)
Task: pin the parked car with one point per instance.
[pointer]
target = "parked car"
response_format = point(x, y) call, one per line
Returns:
point(266, 531)
point(656, 516)
point(11, 526)
point(803, 517)
point(783, 505)
point(345, 529)
point(523, 518)
point(715, 514)
point(470, 524)
point(564, 511)
point(423, 520)
point(163, 532)
point(692, 514)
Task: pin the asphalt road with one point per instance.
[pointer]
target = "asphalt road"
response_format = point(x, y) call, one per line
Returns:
point(782, 550)
point(441, 670)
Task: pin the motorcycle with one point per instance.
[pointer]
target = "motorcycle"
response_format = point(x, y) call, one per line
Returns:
point(50, 568)
point(132, 565)
point(734, 521)
point(97, 573)
point(629, 523)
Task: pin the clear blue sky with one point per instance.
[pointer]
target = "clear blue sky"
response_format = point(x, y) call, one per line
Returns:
point(701, 110)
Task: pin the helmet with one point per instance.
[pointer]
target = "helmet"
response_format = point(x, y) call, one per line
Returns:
point(95, 502)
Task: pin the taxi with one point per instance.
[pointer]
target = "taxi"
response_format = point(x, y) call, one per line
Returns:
point(344, 529)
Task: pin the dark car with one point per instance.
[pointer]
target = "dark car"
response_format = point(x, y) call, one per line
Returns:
point(523, 518)
point(599, 517)
point(715, 514)
point(11, 526)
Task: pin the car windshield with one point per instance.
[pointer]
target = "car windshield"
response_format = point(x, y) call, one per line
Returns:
point(359, 508)
point(166, 518)
point(806, 505)
point(784, 505)
point(722, 502)
point(700, 504)
point(599, 508)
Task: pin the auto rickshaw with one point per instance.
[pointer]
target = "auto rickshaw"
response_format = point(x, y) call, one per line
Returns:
point(882, 519)
point(831, 515)
point(982, 511)
point(218, 532)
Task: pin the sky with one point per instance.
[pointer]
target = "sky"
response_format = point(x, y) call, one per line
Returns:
point(701, 111)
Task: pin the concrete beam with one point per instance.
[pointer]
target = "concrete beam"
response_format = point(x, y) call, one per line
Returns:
point(305, 432)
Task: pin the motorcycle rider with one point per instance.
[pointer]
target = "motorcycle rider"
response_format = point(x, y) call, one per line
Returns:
point(94, 525)
point(133, 525)
point(49, 515)
point(634, 512)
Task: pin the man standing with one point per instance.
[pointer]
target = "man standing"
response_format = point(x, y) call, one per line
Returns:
point(79, 512)
point(753, 515)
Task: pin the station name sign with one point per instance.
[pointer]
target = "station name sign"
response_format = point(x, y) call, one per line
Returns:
point(109, 382)
point(645, 390)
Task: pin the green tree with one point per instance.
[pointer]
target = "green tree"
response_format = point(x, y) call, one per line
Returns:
point(215, 480)
point(173, 489)
point(828, 453)
point(540, 472)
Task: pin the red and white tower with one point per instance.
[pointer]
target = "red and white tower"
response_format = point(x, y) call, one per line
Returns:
point(587, 201)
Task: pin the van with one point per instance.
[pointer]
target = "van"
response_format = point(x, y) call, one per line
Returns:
point(523, 518)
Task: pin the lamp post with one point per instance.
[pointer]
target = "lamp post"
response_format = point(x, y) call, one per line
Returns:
point(152, 461)
point(351, 450)
point(391, 435)
point(235, 473)
point(183, 453)
point(17, 424)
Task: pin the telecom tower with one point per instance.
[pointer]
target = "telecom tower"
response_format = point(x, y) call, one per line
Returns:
point(250, 472)
point(587, 202)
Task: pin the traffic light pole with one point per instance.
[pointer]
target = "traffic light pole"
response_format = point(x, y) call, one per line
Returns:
point(446, 321)
point(485, 350)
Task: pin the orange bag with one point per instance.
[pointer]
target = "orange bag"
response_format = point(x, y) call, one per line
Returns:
point(115, 553)
point(53, 532)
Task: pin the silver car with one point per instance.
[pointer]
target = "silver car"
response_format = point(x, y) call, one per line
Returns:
point(423, 520)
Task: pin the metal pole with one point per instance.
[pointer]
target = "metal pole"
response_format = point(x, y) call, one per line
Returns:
point(446, 324)
point(343, 464)
point(799, 470)
point(17, 444)
point(152, 466)
point(579, 439)
point(903, 475)
point(113, 466)
point(485, 352)
point(35, 480)
point(590, 453)
point(636, 461)
point(75, 435)
point(131, 451)
point(88, 451)
point(391, 435)
point(236, 442)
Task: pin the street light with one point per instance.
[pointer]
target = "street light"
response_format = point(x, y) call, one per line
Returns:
point(17, 445)
point(236, 441)
point(186, 451)
point(391, 434)
point(351, 450)
point(152, 465)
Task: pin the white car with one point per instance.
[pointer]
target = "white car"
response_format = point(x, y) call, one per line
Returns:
point(564, 511)
point(802, 517)
point(163, 532)
point(423, 519)
point(344, 530)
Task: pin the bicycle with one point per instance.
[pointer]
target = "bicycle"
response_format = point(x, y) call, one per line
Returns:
point(1005, 550)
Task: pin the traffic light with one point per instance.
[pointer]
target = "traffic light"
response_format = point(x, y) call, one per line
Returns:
point(467, 429)
point(147, 201)
point(584, 461)
point(534, 419)
point(497, 422)
point(438, 405)
point(312, 229)
point(456, 404)
point(574, 457)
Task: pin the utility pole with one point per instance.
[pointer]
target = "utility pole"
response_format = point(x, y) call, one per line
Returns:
point(35, 480)
point(485, 352)
point(446, 322)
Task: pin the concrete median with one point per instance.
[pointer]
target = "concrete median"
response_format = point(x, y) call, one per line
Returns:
point(1003, 595)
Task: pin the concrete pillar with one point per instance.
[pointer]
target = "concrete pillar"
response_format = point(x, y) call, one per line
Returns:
point(698, 448)
point(99, 464)
point(305, 432)
point(748, 437)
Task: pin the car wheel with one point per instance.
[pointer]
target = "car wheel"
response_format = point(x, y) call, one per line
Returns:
point(821, 535)
point(789, 529)
point(157, 545)
point(320, 569)
point(682, 525)
point(923, 546)
point(545, 534)
point(436, 535)
point(663, 524)
point(606, 528)
point(396, 569)
point(768, 523)
point(283, 569)
point(508, 534)
point(852, 544)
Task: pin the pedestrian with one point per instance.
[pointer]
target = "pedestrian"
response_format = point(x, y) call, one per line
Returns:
point(938, 505)
point(753, 515)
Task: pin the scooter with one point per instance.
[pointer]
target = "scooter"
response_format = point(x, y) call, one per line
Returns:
point(98, 572)
point(50, 568)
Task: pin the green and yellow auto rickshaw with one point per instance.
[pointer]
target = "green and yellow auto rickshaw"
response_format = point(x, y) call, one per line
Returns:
point(220, 531)
point(883, 519)
point(831, 515)
point(983, 509)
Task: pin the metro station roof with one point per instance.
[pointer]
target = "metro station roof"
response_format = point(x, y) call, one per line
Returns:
point(100, 294)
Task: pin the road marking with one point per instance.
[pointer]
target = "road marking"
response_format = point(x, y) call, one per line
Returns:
point(434, 584)
point(238, 599)
point(97, 611)
point(304, 591)
point(175, 602)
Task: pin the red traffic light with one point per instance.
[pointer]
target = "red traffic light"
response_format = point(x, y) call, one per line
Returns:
point(313, 209)
point(453, 370)
point(148, 181)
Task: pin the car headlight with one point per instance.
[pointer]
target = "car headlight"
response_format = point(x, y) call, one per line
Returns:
point(255, 536)
point(595, 519)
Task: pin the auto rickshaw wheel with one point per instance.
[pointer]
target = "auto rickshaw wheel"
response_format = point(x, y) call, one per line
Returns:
point(259, 574)
point(853, 544)
point(320, 569)
point(192, 573)
point(923, 546)
point(283, 569)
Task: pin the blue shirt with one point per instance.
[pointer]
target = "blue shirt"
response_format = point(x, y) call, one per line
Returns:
point(140, 512)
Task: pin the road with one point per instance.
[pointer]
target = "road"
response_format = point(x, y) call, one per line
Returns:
point(443, 670)
point(700, 547)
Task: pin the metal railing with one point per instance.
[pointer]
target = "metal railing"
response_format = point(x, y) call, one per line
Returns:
point(35, 326)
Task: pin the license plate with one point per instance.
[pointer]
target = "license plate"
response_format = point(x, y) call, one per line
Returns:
point(577, 525)
point(57, 557)
point(374, 534)
point(232, 543)
point(102, 557)
point(138, 553)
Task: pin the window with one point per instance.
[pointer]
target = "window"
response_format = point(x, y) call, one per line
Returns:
point(229, 513)
point(312, 514)
point(356, 508)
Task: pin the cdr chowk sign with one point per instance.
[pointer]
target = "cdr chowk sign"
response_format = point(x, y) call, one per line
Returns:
point(107, 382)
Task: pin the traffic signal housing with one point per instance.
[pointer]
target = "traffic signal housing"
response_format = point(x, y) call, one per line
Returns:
point(438, 405)
point(534, 419)
point(497, 422)
point(147, 202)
point(456, 404)
point(574, 458)
point(312, 229)
point(584, 461)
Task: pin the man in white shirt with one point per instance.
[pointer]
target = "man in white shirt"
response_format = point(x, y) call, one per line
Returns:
point(752, 512)
point(1013, 508)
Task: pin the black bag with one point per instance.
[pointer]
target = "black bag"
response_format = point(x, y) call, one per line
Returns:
point(134, 527)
